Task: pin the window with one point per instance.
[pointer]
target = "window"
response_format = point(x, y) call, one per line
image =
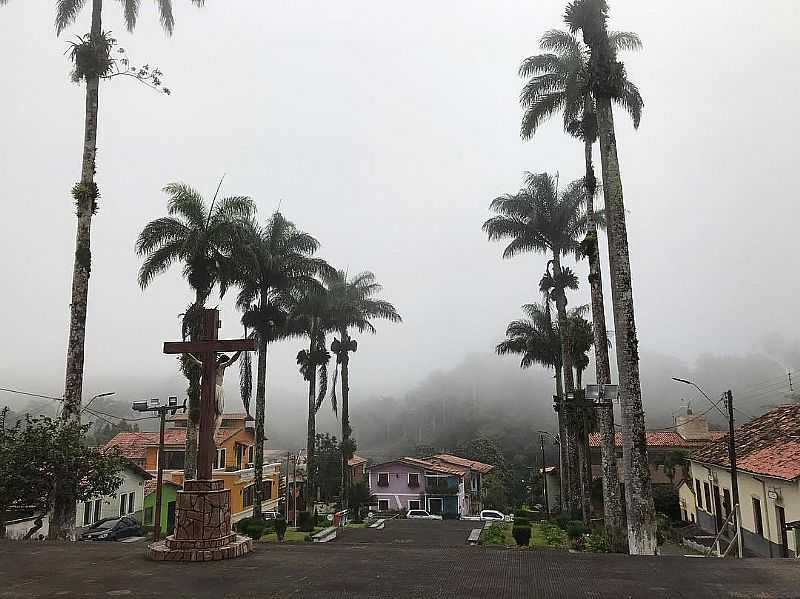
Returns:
point(383, 479)
point(250, 455)
point(757, 517)
point(414, 504)
point(98, 505)
point(87, 513)
point(473, 481)
point(413, 479)
point(698, 493)
point(219, 463)
point(383, 505)
point(707, 490)
point(248, 496)
point(173, 460)
point(266, 487)
point(727, 506)
point(148, 515)
point(131, 502)
point(123, 504)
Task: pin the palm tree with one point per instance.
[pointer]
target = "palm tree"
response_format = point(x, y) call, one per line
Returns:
point(310, 316)
point(539, 219)
point(202, 237)
point(608, 83)
point(353, 305)
point(537, 339)
point(559, 81)
point(92, 62)
point(272, 262)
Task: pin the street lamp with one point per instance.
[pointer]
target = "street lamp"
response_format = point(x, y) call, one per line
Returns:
point(154, 405)
point(99, 395)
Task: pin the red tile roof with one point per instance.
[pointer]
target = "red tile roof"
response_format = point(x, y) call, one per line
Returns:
point(661, 439)
point(356, 460)
point(768, 445)
point(463, 462)
point(150, 485)
point(424, 465)
point(132, 445)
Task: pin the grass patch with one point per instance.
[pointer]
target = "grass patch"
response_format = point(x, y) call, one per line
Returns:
point(292, 534)
point(356, 525)
point(547, 534)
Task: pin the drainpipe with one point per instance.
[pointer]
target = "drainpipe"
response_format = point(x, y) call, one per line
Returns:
point(766, 515)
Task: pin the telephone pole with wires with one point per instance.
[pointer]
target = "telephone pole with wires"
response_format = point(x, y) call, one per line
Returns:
point(734, 475)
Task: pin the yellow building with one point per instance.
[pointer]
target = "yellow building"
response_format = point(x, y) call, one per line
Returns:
point(235, 443)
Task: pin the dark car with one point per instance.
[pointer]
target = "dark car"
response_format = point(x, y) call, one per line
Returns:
point(113, 529)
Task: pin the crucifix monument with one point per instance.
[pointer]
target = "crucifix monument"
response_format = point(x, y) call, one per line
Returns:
point(202, 510)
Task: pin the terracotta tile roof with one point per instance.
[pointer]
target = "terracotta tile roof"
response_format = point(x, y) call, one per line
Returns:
point(150, 485)
point(132, 445)
point(423, 465)
point(356, 460)
point(463, 462)
point(767, 445)
point(661, 439)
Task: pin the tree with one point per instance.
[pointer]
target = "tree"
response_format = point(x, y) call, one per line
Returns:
point(202, 237)
point(310, 316)
point(360, 496)
point(540, 219)
point(271, 262)
point(92, 58)
point(608, 83)
point(327, 467)
point(559, 81)
point(353, 305)
point(37, 452)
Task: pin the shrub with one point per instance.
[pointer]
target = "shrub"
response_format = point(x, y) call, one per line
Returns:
point(522, 535)
point(305, 521)
point(523, 514)
point(597, 542)
point(251, 527)
point(280, 528)
point(575, 529)
point(520, 521)
point(494, 535)
point(553, 535)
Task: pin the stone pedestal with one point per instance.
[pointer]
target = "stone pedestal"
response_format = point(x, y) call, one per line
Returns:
point(202, 526)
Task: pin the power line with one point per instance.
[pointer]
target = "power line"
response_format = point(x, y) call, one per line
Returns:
point(17, 391)
point(125, 418)
point(768, 381)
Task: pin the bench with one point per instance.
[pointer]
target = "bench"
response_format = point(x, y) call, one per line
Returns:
point(474, 536)
point(378, 523)
point(325, 535)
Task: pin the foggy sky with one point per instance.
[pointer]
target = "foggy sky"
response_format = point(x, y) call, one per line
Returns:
point(385, 130)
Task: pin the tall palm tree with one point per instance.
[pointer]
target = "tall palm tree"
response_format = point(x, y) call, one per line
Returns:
point(607, 80)
point(540, 219)
point(310, 316)
point(537, 339)
point(92, 62)
point(559, 81)
point(353, 306)
point(202, 237)
point(273, 262)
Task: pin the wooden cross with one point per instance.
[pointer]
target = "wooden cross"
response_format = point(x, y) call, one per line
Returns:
point(206, 349)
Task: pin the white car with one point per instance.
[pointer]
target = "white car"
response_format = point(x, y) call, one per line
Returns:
point(422, 515)
point(493, 515)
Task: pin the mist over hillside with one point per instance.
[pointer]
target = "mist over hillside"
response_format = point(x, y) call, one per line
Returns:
point(484, 395)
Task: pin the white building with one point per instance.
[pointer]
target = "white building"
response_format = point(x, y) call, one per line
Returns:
point(768, 472)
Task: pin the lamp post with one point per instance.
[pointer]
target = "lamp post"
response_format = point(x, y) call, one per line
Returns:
point(154, 405)
point(556, 441)
point(731, 458)
point(98, 396)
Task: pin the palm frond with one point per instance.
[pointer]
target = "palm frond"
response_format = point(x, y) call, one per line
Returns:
point(158, 262)
point(66, 13)
point(246, 379)
point(130, 9)
point(543, 108)
point(186, 202)
point(631, 100)
point(624, 40)
point(165, 15)
point(561, 42)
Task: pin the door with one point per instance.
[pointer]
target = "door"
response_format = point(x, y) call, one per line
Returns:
point(781, 516)
point(718, 508)
point(435, 505)
point(170, 517)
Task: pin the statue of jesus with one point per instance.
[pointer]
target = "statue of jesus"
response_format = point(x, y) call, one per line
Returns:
point(223, 361)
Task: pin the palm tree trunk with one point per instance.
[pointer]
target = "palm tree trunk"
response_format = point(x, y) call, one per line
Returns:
point(192, 423)
point(612, 506)
point(563, 464)
point(574, 487)
point(346, 430)
point(62, 522)
point(310, 489)
point(261, 405)
point(638, 492)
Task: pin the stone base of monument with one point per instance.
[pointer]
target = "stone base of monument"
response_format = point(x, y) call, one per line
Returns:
point(202, 526)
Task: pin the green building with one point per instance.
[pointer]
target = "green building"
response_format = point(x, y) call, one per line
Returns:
point(169, 492)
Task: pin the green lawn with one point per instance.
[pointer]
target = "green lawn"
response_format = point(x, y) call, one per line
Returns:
point(292, 534)
point(356, 525)
point(497, 534)
point(543, 534)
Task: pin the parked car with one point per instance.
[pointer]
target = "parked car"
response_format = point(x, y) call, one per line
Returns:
point(271, 515)
point(493, 515)
point(113, 529)
point(422, 515)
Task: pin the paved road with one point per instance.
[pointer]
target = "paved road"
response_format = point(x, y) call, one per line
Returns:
point(419, 533)
point(377, 571)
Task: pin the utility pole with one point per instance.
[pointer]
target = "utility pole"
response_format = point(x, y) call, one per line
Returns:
point(544, 478)
point(734, 476)
point(286, 491)
point(154, 406)
point(294, 487)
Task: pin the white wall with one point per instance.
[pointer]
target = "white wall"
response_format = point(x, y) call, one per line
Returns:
point(132, 482)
